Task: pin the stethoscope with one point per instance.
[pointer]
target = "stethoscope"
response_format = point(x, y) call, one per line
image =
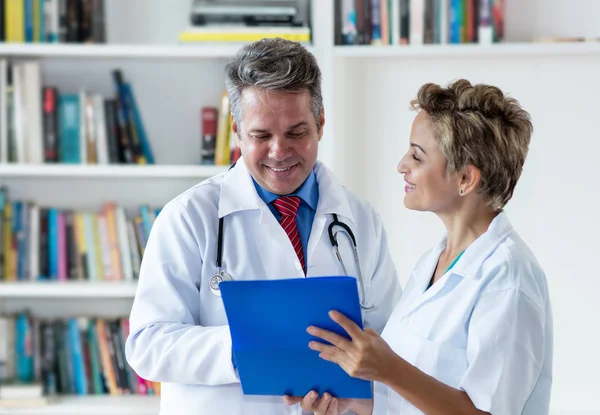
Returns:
point(221, 275)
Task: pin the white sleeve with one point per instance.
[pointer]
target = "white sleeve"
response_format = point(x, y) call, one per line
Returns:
point(505, 351)
point(384, 287)
point(166, 343)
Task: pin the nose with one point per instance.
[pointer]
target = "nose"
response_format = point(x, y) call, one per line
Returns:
point(279, 149)
point(403, 165)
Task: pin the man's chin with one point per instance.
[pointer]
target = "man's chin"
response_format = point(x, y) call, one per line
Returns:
point(282, 188)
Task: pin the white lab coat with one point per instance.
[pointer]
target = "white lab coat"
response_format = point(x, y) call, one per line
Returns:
point(485, 327)
point(179, 333)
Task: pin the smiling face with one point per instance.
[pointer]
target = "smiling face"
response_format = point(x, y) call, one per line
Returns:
point(278, 138)
point(428, 187)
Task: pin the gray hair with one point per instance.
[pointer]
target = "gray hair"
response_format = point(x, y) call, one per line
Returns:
point(274, 64)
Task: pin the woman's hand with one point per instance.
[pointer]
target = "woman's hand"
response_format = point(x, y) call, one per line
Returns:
point(366, 356)
point(325, 405)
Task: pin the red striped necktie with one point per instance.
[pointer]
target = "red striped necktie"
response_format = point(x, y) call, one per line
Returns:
point(287, 206)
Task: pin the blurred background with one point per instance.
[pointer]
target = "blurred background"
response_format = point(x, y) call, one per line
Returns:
point(110, 108)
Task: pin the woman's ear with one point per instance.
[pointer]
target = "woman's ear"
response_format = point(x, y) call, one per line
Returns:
point(469, 180)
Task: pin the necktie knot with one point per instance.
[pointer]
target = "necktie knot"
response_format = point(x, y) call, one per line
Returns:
point(287, 205)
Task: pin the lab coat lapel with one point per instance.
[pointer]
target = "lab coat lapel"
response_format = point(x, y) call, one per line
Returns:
point(332, 199)
point(422, 276)
point(237, 191)
point(466, 267)
point(238, 194)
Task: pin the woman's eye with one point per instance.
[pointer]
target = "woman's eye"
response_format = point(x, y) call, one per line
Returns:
point(416, 158)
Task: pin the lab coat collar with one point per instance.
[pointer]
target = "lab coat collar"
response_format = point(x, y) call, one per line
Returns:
point(474, 256)
point(466, 267)
point(238, 192)
point(333, 197)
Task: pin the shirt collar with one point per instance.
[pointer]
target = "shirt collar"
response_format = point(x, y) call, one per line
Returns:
point(237, 192)
point(308, 192)
point(480, 249)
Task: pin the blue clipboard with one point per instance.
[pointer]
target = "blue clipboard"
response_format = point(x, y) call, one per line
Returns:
point(268, 321)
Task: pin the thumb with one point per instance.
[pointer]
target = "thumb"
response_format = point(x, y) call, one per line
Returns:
point(292, 400)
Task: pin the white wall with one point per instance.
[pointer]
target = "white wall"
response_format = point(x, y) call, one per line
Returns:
point(555, 206)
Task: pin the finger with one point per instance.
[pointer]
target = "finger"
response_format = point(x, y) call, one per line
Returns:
point(333, 408)
point(334, 358)
point(308, 401)
point(331, 337)
point(322, 347)
point(321, 406)
point(292, 400)
point(348, 325)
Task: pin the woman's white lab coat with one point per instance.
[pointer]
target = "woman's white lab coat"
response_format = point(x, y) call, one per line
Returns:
point(485, 327)
point(179, 333)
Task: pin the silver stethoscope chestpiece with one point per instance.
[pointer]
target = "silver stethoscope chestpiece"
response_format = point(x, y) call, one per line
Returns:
point(217, 279)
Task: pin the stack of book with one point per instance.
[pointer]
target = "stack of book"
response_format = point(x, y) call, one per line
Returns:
point(39, 124)
point(233, 33)
point(48, 243)
point(418, 22)
point(41, 21)
point(42, 358)
point(242, 21)
point(219, 143)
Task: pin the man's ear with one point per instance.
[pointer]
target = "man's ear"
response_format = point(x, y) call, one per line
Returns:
point(234, 127)
point(321, 122)
point(469, 180)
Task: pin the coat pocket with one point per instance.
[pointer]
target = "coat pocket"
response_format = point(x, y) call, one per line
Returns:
point(446, 363)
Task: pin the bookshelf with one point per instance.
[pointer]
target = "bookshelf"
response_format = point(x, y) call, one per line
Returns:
point(75, 405)
point(469, 50)
point(67, 289)
point(117, 171)
point(119, 51)
point(366, 92)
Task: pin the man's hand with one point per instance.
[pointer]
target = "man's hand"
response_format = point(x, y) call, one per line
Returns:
point(325, 405)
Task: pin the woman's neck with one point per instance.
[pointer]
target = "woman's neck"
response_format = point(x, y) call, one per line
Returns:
point(465, 226)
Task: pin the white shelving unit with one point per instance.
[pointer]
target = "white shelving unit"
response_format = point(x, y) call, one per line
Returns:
point(116, 171)
point(366, 91)
point(104, 51)
point(68, 290)
point(93, 405)
point(472, 50)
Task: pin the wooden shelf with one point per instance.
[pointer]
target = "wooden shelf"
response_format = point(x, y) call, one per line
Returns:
point(461, 50)
point(77, 405)
point(67, 289)
point(65, 50)
point(115, 171)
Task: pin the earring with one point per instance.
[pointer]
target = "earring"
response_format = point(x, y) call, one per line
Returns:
point(460, 192)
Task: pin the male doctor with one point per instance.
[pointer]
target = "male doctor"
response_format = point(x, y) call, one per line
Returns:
point(276, 204)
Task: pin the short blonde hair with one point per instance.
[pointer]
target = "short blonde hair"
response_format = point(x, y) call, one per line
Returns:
point(479, 125)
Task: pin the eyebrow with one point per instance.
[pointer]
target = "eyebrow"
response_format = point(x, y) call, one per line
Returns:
point(419, 147)
point(261, 130)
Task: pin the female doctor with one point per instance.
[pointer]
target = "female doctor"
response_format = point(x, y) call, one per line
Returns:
point(179, 333)
point(472, 332)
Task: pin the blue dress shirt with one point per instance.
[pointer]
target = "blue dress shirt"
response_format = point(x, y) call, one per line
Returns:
point(309, 198)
